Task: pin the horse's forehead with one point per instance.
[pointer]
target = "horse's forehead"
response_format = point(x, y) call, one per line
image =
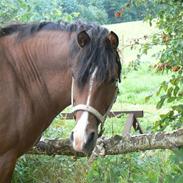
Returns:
point(93, 76)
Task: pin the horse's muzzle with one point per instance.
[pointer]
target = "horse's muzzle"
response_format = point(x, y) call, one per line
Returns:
point(84, 143)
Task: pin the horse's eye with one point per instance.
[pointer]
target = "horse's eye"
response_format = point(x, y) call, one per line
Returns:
point(113, 80)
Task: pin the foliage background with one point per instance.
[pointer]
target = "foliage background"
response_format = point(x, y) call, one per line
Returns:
point(91, 10)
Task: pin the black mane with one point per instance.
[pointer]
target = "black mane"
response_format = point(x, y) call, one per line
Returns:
point(98, 53)
point(25, 30)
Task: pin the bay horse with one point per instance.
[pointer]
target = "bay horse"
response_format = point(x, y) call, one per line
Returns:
point(45, 67)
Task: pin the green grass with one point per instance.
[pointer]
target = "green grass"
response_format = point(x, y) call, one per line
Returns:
point(142, 167)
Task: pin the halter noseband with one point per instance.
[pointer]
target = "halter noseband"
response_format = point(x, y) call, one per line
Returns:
point(90, 109)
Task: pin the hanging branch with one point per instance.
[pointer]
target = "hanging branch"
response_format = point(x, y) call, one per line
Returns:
point(123, 9)
point(114, 145)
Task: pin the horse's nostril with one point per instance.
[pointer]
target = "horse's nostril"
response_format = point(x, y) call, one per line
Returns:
point(90, 139)
point(72, 136)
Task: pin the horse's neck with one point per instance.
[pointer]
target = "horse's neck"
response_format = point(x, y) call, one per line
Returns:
point(47, 61)
point(55, 67)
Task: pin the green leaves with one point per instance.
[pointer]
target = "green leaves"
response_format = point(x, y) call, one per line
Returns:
point(163, 86)
point(33, 10)
point(176, 90)
point(147, 98)
point(161, 101)
point(169, 21)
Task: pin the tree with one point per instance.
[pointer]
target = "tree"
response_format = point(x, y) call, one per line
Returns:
point(33, 10)
point(169, 20)
point(168, 17)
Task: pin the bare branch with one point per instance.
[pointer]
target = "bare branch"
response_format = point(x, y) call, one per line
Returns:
point(114, 145)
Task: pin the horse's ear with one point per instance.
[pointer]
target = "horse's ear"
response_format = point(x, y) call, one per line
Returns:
point(83, 38)
point(114, 40)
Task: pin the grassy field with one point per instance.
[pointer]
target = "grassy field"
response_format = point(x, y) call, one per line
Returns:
point(142, 167)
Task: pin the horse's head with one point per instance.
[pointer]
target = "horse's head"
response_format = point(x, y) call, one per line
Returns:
point(94, 85)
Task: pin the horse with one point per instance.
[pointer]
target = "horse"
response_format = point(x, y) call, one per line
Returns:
point(45, 67)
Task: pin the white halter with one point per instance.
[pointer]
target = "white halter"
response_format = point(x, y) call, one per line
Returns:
point(90, 109)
